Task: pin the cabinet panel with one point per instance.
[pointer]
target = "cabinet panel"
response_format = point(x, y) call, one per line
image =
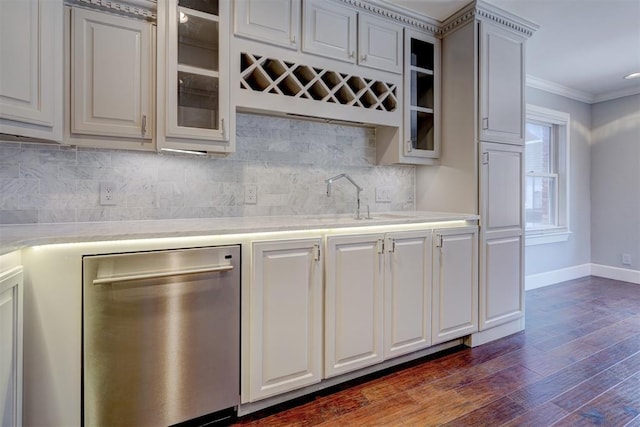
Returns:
point(272, 21)
point(111, 75)
point(11, 345)
point(329, 30)
point(353, 306)
point(31, 68)
point(193, 103)
point(286, 321)
point(455, 284)
point(501, 181)
point(379, 44)
point(502, 85)
point(502, 291)
point(407, 296)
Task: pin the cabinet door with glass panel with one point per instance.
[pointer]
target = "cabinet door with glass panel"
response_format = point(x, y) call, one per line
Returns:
point(193, 78)
point(422, 95)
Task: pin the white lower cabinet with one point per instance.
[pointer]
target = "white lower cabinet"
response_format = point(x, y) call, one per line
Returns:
point(286, 316)
point(11, 344)
point(353, 305)
point(407, 292)
point(385, 295)
point(455, 283)
point(502, 292)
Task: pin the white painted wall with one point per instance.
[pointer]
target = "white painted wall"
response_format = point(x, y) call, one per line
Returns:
point(615, 182)
point(576, 251)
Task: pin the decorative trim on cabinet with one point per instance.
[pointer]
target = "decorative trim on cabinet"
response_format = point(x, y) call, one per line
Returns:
point(137, 8)
point(488, 12)
point(285, 78)
point(402, 15)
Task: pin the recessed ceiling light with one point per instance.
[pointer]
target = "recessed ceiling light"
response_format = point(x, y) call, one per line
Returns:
point(632, 76)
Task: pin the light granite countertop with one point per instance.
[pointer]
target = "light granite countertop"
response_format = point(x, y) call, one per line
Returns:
point(15, 237)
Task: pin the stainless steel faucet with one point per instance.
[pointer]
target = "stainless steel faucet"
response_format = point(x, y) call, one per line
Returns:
point(348, 178)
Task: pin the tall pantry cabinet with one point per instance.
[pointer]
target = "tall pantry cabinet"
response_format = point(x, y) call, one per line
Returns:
point(481, 162)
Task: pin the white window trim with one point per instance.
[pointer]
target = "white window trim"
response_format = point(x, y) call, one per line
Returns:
point(563, 120)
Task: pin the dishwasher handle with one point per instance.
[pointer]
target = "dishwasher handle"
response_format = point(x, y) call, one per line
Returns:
point(161, 274)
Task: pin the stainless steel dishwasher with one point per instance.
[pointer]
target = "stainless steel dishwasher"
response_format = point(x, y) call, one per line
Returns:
point(160, 336)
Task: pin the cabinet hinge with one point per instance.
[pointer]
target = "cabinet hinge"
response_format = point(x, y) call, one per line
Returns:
point(392, 245)
point(485, 123)
point(380, 246)
point(409, 146)
point(438, 240)
point(224, 131)
point(316, 252)
point(485, 158)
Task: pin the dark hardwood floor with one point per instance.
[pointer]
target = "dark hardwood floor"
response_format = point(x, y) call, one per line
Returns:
point(577, 363)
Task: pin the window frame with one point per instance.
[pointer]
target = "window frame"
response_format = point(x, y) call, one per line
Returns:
point(560, 124)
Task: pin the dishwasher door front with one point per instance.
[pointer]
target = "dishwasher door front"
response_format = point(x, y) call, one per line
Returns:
point(160, 336)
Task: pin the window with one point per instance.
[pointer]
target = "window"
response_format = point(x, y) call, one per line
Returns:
point(547, 171)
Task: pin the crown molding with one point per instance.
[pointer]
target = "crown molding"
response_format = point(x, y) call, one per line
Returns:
point(558, 89)
point(617, 94)
point(578, 95)
point(397, 13)
point(485, 11)
point(137, 8)
point(504, 18)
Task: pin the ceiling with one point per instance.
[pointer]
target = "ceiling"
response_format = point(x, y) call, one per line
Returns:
point(583, 48)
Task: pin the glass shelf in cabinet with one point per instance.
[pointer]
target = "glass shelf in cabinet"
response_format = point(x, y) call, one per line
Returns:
point(198, 41)
point(422, 90)
point(206, 6)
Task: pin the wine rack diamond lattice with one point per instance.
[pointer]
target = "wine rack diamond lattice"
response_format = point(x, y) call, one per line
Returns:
point(270, 75)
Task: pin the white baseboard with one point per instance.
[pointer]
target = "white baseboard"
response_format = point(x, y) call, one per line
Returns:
point(539, 280)
point(616, 273)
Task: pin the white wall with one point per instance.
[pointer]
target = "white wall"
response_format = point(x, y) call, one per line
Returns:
point(615, 182)
point(576, 251)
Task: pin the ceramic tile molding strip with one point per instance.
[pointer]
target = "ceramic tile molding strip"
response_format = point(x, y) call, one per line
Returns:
point(275, 76)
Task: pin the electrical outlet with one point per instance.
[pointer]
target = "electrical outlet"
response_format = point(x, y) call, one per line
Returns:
point(250, 194)
point(107, 193)
point(626, 259)
point(383, 194)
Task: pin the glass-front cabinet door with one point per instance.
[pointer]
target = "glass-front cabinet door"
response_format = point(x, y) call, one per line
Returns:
point(422, 95)
point(196, 79)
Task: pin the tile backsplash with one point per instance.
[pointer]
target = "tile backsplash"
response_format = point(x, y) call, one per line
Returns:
point(288, 161)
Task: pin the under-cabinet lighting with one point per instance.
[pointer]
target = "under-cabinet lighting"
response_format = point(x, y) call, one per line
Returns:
point(632, 76)
point(183, 18)
point(175, 150)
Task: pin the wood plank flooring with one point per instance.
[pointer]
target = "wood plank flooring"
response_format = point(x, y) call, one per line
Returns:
point(577, 363)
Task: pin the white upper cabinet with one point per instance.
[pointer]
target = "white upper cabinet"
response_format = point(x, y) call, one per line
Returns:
point(271, 21)
point(329, 29)
point(111, 75)
point(422, 96)
point(379, 43)
point(31, 68)
point(340, 32)
point(502, 85)
point(418, 141)
point(193, 107)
